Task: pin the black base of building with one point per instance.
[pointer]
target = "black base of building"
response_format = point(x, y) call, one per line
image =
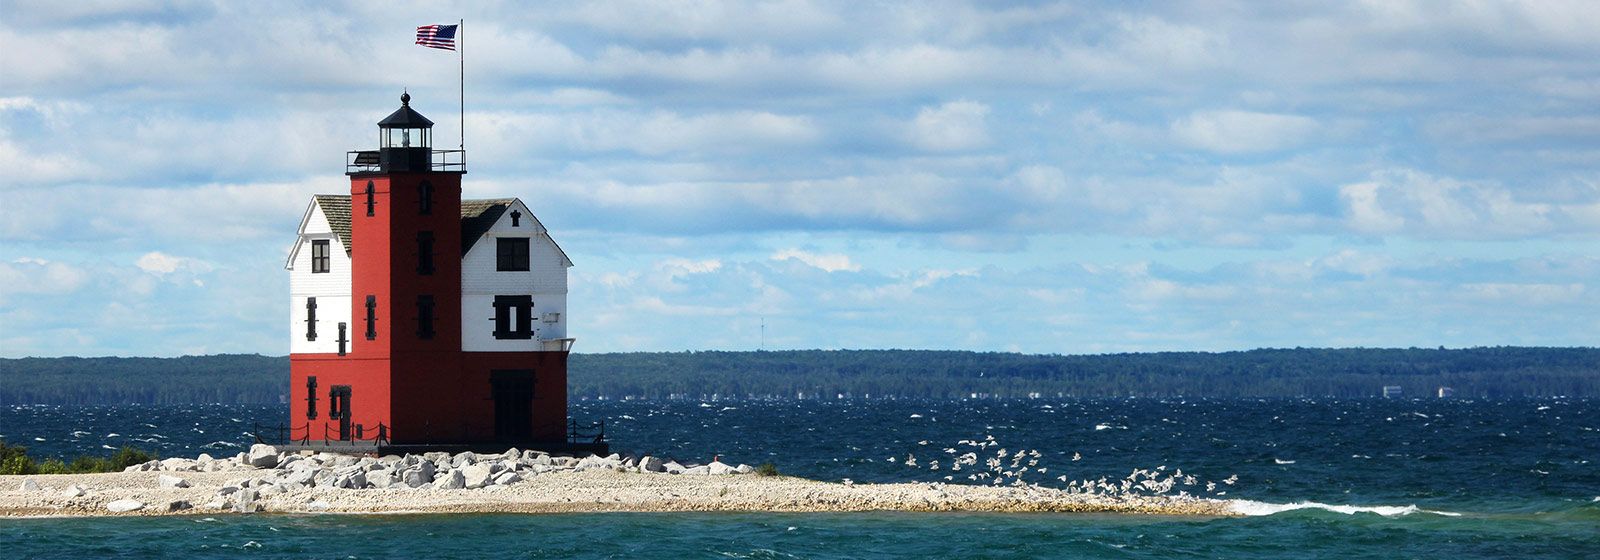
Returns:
point(371, 448)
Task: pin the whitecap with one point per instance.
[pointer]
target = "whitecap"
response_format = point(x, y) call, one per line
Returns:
point(1253, 508)
point(38, 439)
point(79, 433)
point(916, 415)
point(1283, 461)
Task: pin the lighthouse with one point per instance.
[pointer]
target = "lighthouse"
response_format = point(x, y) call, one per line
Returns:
point(419, 319)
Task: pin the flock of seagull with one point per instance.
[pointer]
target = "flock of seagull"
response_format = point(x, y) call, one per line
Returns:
point(1015, 468)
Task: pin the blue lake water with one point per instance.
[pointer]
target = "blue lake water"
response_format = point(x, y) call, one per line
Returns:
point(1473, 479)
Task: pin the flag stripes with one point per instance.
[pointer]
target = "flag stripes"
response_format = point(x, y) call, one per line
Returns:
point(437, 36)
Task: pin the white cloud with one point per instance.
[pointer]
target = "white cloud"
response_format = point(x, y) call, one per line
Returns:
point(956, 125)
point(1242, 132)
point(38, 276)
point(158, 263)
point(1418, 204)
point(831, 262)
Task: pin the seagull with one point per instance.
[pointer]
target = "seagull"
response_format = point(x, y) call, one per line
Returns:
point(1076, 456)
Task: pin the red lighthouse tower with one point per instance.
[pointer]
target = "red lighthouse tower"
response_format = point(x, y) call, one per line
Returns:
point(419, 319)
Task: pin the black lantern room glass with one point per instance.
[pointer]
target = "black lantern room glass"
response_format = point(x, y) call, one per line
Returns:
point(405, 128)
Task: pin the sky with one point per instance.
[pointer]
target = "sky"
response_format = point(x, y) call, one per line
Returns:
point(1066, 178)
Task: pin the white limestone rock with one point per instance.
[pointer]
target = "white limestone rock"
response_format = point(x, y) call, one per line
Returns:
point(508, 477)
point(169, 481)
point(744, 469)
point(124, 506)
point(719, 467)
point(381, 478)
point(262, 456)
point(244, 501)
point(672, 467)
point(452, 480)
point(593, 462)
point(702, 469)
point(73, 491)
point(29, 485)
point(650, 464)
point(177, 464)
point(416, 477)
point(477, 476)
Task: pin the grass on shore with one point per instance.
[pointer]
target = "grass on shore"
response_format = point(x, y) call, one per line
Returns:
point(14, 459)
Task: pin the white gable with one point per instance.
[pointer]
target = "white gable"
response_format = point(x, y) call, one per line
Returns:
point(545, 280)
point(331, 289)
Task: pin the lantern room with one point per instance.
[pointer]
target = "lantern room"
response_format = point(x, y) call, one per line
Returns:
point(405, 139)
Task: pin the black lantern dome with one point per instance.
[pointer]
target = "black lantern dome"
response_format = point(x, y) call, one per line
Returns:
point(405, 143)
point(405, 127)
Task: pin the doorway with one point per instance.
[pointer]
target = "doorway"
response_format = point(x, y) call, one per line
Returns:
point(339, 409)
point(513, 403)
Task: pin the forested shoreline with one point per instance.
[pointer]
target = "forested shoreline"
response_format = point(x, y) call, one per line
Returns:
point(1491, 372)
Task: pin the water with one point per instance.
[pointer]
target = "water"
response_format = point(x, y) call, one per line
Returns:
point(1322, 479)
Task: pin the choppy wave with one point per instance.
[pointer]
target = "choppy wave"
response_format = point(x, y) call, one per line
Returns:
point(1253, 508)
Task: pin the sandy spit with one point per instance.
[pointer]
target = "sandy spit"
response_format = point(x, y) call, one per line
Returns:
point(586, 491)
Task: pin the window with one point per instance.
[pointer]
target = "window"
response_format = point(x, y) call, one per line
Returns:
point(425, 198)
point(370, 198)
point(311, 397)
point(343, 339)
point(425, 253)
point(511, 254)
point(319, 255)
point(372, 317)
point(425, 317)
point(311, 318)
point(513, 317)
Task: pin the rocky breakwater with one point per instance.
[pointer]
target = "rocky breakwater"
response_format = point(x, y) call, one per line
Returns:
point(266, 480)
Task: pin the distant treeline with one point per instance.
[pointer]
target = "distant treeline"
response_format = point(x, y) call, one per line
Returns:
point(1299, 372)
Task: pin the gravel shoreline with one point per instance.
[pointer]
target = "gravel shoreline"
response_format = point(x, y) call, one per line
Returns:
point(589, 491)
point(223, 487)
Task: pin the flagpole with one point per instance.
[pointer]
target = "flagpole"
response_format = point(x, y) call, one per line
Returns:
point(461, 57)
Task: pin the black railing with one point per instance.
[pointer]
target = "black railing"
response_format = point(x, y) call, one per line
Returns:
point(594, 432)
point(356, 435)
point(368, 161)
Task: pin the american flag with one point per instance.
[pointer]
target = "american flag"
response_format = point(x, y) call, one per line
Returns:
point(437, 36)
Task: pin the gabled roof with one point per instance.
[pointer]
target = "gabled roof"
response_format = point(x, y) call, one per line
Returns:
point(477, 217)
point(337, 208)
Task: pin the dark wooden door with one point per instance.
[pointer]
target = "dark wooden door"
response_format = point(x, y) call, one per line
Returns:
point(339, 403)
point(513, 403)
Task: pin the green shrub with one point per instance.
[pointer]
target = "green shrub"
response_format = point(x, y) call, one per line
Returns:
point(14, 459)
point(53, 466)
point(767, 469)
point(127, 457)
